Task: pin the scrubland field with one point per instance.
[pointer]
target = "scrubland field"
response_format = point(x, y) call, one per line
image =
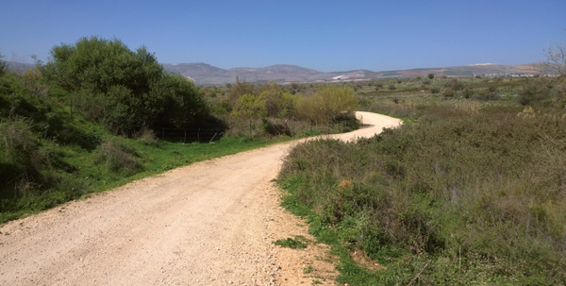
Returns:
point(470, 190)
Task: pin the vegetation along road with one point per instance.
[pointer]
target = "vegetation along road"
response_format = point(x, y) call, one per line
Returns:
point(212, 222)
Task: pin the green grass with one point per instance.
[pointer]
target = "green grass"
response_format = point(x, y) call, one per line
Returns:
point(308, 269)
point(88, 177)
point(300, 242)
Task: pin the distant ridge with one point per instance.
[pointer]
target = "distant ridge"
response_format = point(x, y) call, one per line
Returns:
point(19, 67)
point(205, 74)
point(278, 69)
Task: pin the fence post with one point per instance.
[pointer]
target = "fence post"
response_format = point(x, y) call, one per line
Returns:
point(198, 135)
point(212, 138)
point(162, 132)
point(185, 140)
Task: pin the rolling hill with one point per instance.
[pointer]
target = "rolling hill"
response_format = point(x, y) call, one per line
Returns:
point(205, 74)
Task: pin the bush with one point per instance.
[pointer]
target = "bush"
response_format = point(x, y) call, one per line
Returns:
point(250, 106)
point(434, 90)
point(277, 102)
point(534, 92)
point(124, 90)
point(328, 104)
point(454, 84)
point(467, 93)
point(448, 92)
point(276, 129)
point(148, 137)
point(117, 155)
point(26, 167)
point(20, 162)
point(237, 90)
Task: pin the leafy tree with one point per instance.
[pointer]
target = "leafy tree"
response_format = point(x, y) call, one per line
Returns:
point(430, 76)
point(250, 106)
point(128, 91)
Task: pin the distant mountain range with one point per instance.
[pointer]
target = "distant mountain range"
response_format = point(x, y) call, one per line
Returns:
point(19, 67)
point(205, 74)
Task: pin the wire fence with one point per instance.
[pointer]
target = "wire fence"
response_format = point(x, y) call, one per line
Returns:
point(188, 134)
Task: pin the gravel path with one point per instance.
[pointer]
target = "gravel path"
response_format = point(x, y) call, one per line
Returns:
point(210, 223)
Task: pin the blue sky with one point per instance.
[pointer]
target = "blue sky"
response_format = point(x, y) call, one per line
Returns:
point(322, 35)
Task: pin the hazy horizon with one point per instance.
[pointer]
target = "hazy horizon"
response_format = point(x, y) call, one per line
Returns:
point(324, 36)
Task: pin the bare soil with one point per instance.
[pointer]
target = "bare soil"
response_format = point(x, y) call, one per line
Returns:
point(210, 223)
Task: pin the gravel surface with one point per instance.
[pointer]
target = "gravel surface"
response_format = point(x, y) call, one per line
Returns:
point(210, 223)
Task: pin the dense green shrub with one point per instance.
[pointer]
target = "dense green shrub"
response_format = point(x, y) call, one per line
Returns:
point(328, 104)
point(279, 103)
point(124, 90)
point(267, 100)
point(250, 106)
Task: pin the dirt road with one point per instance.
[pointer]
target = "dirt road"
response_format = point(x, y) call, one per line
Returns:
point(210, 223)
